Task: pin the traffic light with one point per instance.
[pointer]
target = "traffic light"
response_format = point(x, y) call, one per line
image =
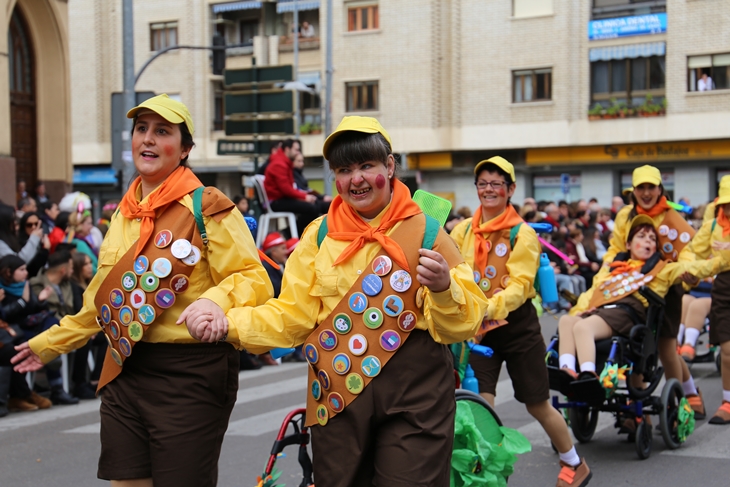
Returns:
point(219, 55)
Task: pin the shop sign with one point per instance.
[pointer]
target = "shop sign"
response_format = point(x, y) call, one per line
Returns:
point(627, 26)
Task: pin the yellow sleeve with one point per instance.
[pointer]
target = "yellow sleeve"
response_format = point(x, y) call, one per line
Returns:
point(620, 235)
point(709, 212)
point(522, 266)
point(459, 231)
point(701, 244)
point(701, 269)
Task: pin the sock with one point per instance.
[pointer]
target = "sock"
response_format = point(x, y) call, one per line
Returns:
point(689, 387)
point(726, 395)
point(680, 335)
point(571, 457)
point(690, 336)
point(588, 367)
point(567, 361)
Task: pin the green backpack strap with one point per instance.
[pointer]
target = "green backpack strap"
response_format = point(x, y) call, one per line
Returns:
point(429, 236)
point(198, 213)
point(714, 224)
point(513, 235)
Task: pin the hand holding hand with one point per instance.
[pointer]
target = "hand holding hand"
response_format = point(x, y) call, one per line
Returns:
point(25, 360)
point(716, 245)
point(205, 320)
point(690, 279)
point(433, 271)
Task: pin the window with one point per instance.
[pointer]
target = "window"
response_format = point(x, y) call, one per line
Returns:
point(628, 80)
point(162, 35)
point(362, 96)
point(715, 66)
point(249, 30)
point(531, 8)
point(608, 9)
point(362, 18)
point(531, 85)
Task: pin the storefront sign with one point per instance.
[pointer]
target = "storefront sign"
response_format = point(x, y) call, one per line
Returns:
point(627, 26)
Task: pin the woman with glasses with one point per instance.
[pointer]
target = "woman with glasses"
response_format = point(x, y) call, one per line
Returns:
point(504, 254)
point(9, 242)
point(29, 223)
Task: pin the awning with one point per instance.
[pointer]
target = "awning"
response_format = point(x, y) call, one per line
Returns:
point(230, 7)
point(630, 51)
point(288, 5)
point(95, 175)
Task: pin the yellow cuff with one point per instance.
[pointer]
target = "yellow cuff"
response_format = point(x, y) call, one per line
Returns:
point(218, 297)
point(40, 346)
point(444, 299)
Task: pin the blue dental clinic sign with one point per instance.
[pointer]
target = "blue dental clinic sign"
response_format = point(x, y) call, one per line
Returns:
point(627, 26)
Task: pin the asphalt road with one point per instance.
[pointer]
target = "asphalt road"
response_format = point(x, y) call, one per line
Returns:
point(60, 446)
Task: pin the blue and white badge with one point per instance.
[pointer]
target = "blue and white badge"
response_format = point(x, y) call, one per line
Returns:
point(146, 314)
point(358, 303)
point(401, 281)
point(393, 305)
point(490, 272)
point(311, 353)
point(106, 313)
point(477, 276)
point(316, 389)
point(372, 285)
point(141, 264)
point(371, 366)
point(162, 267)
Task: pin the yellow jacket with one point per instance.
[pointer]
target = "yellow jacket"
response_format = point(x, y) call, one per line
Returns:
point(701, 244)
point(229, 272)
point(522, 266)
point(312, 287)
point(709, 212)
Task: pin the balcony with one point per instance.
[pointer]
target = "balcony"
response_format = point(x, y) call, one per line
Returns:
point(286, 44)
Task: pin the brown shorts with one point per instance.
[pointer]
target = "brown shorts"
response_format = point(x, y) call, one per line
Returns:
point(720, 309)
point(400, 430)
point(165, 415)
point(520, 344)
point(618, 318)
point(672, 312)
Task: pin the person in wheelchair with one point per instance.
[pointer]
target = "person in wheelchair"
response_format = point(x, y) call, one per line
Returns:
point(613, 305)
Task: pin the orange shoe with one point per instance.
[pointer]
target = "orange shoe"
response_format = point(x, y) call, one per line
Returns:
point(574, 476)
point(697, 404)
point(687, 352)
point(722, 416)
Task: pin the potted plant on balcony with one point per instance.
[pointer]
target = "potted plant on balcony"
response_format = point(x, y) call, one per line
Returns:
point(305, 128)
point(595, 112)
point(315, 129)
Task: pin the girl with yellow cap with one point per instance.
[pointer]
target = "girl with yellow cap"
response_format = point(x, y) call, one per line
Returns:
point(172, 250)
point(504, 255)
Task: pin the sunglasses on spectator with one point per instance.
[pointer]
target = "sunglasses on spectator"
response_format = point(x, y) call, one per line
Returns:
point(32, 224)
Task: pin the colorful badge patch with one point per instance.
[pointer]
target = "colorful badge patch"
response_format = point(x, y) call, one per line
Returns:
point(193, 258)
point(164, 298)
point(328, 340)
point(401, 281)
point(138, 298)
point(358, 303)
point(372, 285)
point(382, 265)
point(114, 330)
point(316, 390)
point(146, 314)
point(393, 305)
point(106, 314)
point(485, 285)
point(667, 247)
point(135, 331)
point(181, 248)
point(357, 344)
point(341, 364)
point(373, 318)
point(390, 340)
point(684, 237)
point(505, 281)
point(129, 281)
point(141, 264)
point(162, 267)
point(149, 282)
point(125, 347)
point(407, 321)
point(497, 291)
point(489, 246)
point(354, 383)
point(179, 283)
point(324, 379)
point(116, 357)
point(163, 239)
point(116, 298)
point(126, 315)
point(477, 276)
point(371, 366)
point(500, 250)
point(490, 272)
point(342, 323)
point(672, 235)
point(663, 230)
point(311, 353)
point(322, 415)
point(336, 402)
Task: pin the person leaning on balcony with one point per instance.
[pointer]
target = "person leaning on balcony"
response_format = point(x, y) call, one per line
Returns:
point(307, 30)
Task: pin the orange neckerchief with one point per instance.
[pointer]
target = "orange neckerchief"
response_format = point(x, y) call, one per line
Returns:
point(657, 209)
point(344, 223)
point(620, 267)
point(508, 219)
point(723, 222)
point(182, 181)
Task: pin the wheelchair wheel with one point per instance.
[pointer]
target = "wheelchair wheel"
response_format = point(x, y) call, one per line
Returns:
point(702, 347)
point(583, 423)
point(643, 440)
point(671, 395)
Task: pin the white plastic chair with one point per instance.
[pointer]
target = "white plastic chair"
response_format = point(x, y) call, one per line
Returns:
point(267, 215)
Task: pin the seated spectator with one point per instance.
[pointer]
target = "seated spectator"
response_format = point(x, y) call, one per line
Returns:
point(552, 216)
point(577, 252)
point(242, 204)
point(49, 212)
point(58, 234)
point(9, 243)
point(27, 204)
point(40, 193)
point(78, 232)
point(276, 147)
point(300, 180)
point(604, 221)
point(29, 222)
point(616, 204)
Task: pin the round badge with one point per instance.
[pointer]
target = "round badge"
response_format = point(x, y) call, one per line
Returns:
point(477, 276)
point(324, 379)
point(372, 285)
point(621, 292)
point(341, 364)
point(328, 340)
point(401, 281)
point(146, 314)
point(179, 283)
point(116, 298)
point(126, 315)
point(358, 303)
point(129, 281)
point(357, 344)
point(114, 330)
point(135, 331)
point(407, 321)
point(393, 305)
point(672, 235)
point(625, 282)
point(336, 402)
point(342, 323)
point(354, 383)
point(108, 341)
point(163, 239)
point(106, 314)
point(382, 265)
point(193, 258)
point(390, 340)
point(373, 318)
point(181, 248)
point(98, 322)
point(500, 250)
point(667, 247)
point(663, 230)
point(490, 272)
point(485, 285)
point(311, 353)
point(164, 298)
point(116, 357)
point(322, 415)
point(371, 366)
point(137, 298)
point(505, 281)
point(149, 282)
point(125, 347)
point(684, 237)
point(141, 264)
point(648, 278)
point(162, 267)
point(316, 390)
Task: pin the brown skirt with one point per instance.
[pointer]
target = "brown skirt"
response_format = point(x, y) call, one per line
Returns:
point(618, 318)
point(720, 309)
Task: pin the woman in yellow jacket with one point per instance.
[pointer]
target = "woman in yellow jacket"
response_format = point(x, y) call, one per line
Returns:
point(375, 312)
point(504, 255)
point(647, 198)
point(165, 397)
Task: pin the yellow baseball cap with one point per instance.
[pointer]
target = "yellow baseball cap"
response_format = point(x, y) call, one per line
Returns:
point(366, 125)
point(171, 110)
point(723, 195)
point(500, 162)
point(646, 174)
point(641, 220)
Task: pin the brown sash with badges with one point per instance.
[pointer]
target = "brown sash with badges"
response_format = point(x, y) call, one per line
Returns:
point(494, 278)
point(371, 322)
point(674, 235)
point(138, 290)
point(622, 285)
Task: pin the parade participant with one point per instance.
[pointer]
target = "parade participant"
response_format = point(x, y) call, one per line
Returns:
point(165, 397)
point(711, 209)
point(504, 253)
point(374, 310)
point(647, 198)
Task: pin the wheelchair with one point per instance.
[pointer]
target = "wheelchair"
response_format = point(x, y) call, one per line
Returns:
point(705, 352)
point(585, 399)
